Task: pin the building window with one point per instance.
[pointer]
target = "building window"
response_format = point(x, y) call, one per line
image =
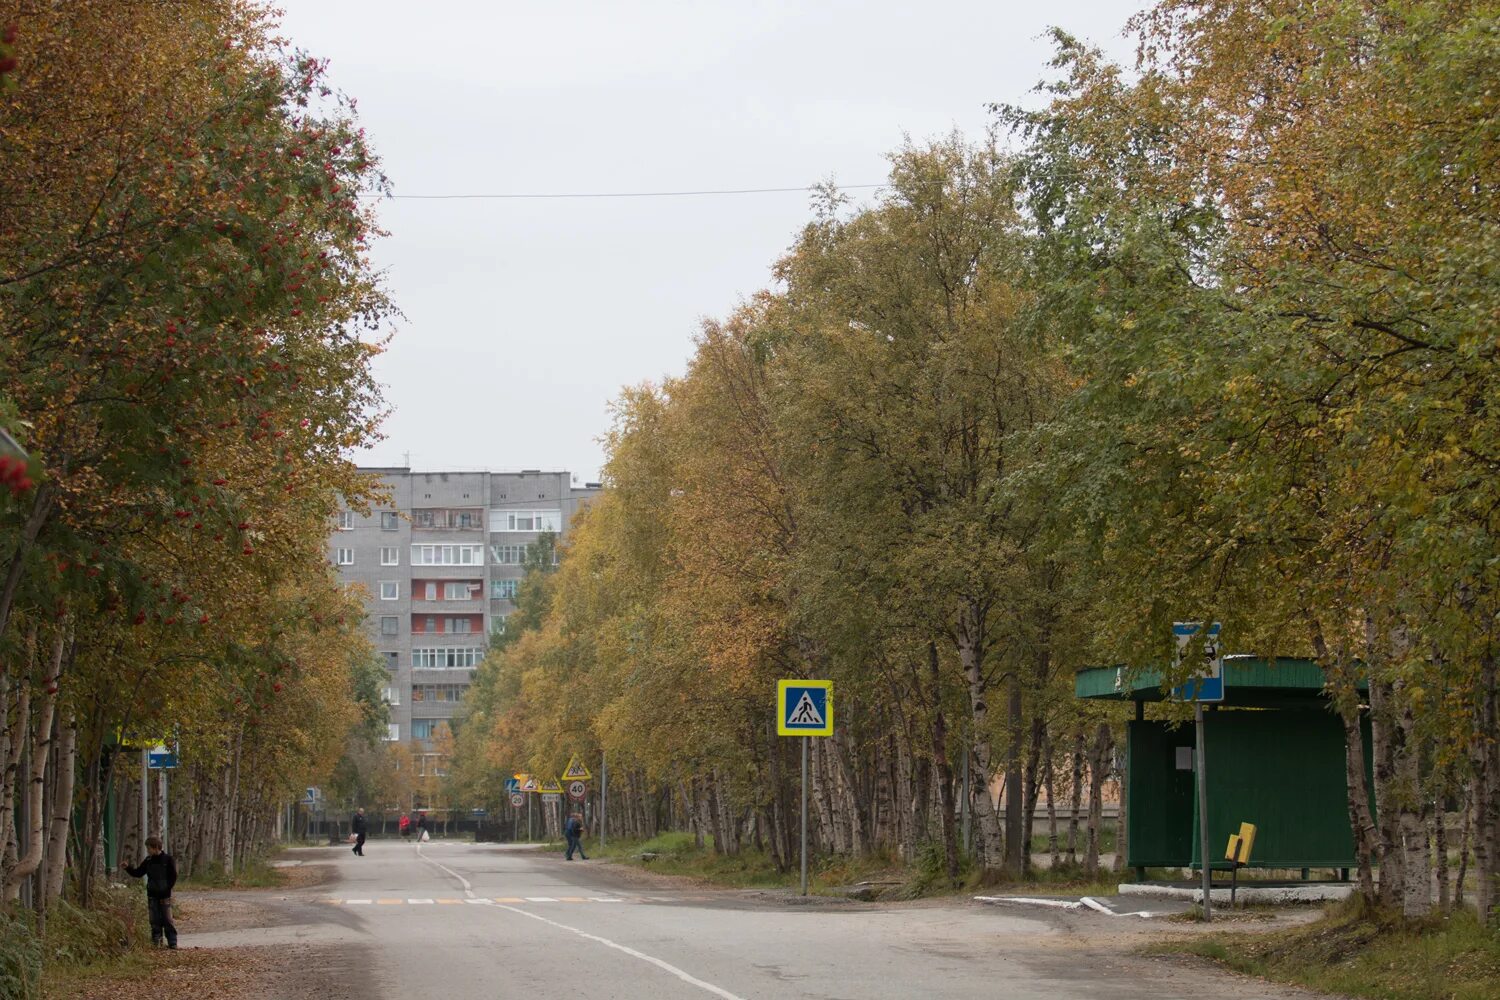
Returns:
point(497, 624)
point(344, 557)
point(446, 658)
point(423, 519)
point(392, 660)
point(389, 520)
point(390, 590)
point(393, 731)
point(390, 555)
point(421, 729)
point(346, 520)
point(509, 555)
point(456, 590)
point(447, 555)
point(430, 624)
point(504, 590)
point(429, 591)
point(449, 693)
point(392, 696)
point(390, 625)
point(526, 520)
point(458, 625)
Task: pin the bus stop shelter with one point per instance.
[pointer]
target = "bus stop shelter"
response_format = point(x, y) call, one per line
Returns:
point(1275, 758)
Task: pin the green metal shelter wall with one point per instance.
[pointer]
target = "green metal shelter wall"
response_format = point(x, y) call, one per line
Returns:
point(1282, 771)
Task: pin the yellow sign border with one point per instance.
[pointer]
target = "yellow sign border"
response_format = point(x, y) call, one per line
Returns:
point(782, 687)
point(581, 774)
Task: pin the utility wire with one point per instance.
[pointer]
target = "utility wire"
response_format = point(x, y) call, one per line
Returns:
point(610, 194)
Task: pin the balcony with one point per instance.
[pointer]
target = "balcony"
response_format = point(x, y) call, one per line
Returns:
point(421, 607)
point(443, 519)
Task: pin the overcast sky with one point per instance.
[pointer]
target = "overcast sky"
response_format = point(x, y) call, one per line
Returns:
point(523, 318)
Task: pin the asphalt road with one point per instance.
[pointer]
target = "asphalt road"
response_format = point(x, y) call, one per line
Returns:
point(464, 920)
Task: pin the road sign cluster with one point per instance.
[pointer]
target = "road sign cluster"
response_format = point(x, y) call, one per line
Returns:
point(576, 776)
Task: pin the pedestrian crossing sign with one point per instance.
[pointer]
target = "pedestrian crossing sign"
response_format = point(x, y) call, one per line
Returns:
point(804, 708)
point(576, 771)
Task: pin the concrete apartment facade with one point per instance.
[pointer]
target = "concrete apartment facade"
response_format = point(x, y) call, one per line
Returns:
point(439, 566)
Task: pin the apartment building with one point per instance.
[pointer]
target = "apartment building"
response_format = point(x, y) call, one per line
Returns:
point(440, 566)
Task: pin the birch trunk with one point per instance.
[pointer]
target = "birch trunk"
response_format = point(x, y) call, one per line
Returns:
point(971, 650)
point(62, 811)
point(41, 747)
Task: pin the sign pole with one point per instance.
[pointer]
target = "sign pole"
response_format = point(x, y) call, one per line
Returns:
point(1203, 813)
point(530, 834)
point(603, 796)
point(163, 809)
point(804, 815)
point(145, 797)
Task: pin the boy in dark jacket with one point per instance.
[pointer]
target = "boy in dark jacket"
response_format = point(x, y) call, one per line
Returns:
point(161, 875)
point(360, 826)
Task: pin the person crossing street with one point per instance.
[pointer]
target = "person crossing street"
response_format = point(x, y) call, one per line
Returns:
point(359, 826)
point(574, 831)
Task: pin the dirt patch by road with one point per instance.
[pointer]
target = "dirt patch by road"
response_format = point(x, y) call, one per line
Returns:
point(288, 972)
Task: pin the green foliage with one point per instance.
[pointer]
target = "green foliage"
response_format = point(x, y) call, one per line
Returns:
point(1356, 951)
point(20, 955)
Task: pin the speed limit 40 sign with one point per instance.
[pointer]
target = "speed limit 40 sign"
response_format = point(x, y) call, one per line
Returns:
point(576, 790)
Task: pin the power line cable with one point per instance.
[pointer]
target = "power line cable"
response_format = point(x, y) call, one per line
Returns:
point(502, 196)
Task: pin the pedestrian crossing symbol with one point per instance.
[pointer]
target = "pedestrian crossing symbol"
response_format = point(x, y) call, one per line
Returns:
point(804, 708)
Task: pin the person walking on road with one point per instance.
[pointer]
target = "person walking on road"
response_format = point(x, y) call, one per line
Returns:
point(574, 831)
point(405, 826)
point(359, 826)
point(161, 875)
point(422, 835)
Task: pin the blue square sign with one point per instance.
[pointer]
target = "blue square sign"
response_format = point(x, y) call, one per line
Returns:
point(804, 708)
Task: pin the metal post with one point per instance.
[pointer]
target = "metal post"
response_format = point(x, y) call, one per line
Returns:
point(804, 814)
point(530, 829)
point(145, 799)
point(603, 797)
point(163, 779)
point(1203, 814)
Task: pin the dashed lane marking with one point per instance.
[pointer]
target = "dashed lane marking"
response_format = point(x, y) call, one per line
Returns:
point(486, 901)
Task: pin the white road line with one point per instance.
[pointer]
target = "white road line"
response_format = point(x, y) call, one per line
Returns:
point(417, 902)
point(1095, 904)
point(540, 899)
point(604, 899)
point(1065, 904)
point(665, 966)
point(468, 889)
point(357, 902)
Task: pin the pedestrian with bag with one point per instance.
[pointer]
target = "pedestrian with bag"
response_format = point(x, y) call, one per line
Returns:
point(359, 825)
point(573, 829)
point(161, 875)
point(422, 835)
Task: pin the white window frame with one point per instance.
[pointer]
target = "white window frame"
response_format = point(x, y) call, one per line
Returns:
point(390, 520)
point(457, 590)
point(346, 520)
point(390, 555)
point(395, 591)
point(512, 586)
point(392, 695)
point(502, 521)
point(430, 591)
point(344, 557)
point(392, 732)
point(446, 657)
point(447, 555)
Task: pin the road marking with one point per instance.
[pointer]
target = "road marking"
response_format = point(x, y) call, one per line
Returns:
point(604, 899)
point(420, 902)
point(509, 899)
point(1065, 904)
point(540, 899)
point(390, 902)
point(479, 902)
point(665, 966)
point(356, 902)
point(571, 899)
point(468, 889)
point(452, 902)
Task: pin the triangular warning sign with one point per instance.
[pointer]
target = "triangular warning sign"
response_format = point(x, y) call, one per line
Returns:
point(576, 771)
point(550, 786)
point(806, 713)
point(529, 785)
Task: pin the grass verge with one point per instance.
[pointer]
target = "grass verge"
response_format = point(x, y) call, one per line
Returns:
point(255, 874)
point(678, 854)
point(1362, 952)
